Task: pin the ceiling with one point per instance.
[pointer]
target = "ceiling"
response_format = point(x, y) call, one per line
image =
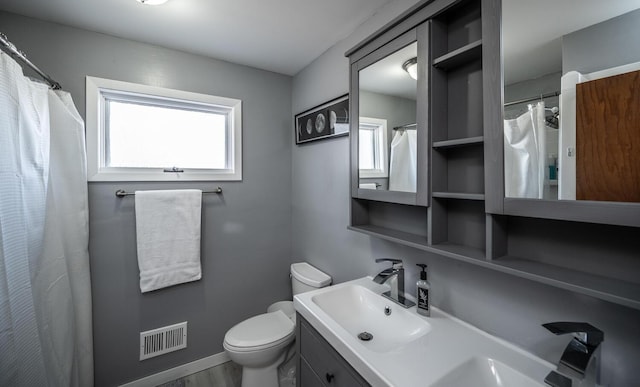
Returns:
point(282, 36)
point(532, 31)
point(387, 76)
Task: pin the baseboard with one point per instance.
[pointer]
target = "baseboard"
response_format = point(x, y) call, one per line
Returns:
point(180, 371)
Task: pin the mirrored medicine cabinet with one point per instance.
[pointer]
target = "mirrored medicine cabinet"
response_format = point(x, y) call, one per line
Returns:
point(389, 145)
point(570, 127)
point(460, 210)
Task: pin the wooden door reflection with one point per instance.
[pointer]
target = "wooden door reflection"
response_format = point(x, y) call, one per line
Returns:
point(608, 139)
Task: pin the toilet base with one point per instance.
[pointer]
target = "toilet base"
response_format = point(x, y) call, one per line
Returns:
point(262, 377)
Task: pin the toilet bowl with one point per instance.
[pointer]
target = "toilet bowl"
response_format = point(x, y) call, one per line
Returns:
point(261, 343)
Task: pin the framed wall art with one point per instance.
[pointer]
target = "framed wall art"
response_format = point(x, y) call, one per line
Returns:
point(330, 119)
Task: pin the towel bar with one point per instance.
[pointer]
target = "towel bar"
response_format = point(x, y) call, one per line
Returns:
point(122, 193)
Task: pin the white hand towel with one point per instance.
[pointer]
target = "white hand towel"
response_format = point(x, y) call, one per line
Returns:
point(168, 236)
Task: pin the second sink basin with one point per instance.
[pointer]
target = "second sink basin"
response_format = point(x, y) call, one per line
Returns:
point(358, 310)
point(485, 372)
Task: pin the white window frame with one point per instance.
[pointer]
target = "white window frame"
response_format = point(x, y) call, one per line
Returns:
point(98, 90)
point(381, 147)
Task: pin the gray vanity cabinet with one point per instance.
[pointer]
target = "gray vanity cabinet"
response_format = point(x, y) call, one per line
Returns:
point(318, 363)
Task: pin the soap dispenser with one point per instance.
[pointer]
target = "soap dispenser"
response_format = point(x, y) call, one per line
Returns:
point(422, 288)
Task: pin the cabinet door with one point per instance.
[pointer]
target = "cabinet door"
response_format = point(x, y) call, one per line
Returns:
point(329, 367)
point(306, 376)
point(388, 118)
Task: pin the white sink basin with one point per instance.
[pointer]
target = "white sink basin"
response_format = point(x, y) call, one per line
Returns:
point(485, 372)
point(408, 349)
point(357, 309)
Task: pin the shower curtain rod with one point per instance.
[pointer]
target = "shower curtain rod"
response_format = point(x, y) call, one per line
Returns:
point(538, 97)
point(13, 51)
point(406, 127)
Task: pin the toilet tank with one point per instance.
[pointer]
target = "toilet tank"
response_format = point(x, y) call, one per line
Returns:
point(305, 277)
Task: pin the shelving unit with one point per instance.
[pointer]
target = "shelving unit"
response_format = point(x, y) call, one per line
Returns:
point(463, 218)
point(457, 158)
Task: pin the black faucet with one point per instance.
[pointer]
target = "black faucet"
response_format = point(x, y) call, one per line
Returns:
point(396, 294)
point(579, 365)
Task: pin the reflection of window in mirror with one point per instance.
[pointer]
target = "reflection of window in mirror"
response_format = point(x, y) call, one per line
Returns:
point(386, 92)
point(372, 156)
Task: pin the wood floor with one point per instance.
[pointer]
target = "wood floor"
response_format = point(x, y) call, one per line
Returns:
point(226, 374)
point(229, 374)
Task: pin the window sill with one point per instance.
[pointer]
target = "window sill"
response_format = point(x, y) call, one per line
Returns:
point(158, 175)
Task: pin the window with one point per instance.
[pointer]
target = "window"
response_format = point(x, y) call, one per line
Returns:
point(145, 133)
point(372, 148)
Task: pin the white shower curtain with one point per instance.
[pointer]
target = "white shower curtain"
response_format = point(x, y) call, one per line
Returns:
point(403, 161)
point(525, 154)
point(45, 294)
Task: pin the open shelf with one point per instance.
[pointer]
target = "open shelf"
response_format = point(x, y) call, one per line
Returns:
point(458, 142)
point(393, 235)
point(458, 195)
point(460, 252)
point(457, 35)
point(457, 106)
point(460, 56)
point(451, 250)
point(604, 288)
point(459, 223)
point(458, 170)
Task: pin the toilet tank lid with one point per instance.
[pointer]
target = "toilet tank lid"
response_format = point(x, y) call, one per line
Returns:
point(309, 275)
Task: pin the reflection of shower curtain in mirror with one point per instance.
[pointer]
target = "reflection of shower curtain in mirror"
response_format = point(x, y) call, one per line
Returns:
point(524, 154)
point(403, 161)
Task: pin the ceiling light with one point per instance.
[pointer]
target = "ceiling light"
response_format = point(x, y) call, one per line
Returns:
point(152, 2)
point(411, 67)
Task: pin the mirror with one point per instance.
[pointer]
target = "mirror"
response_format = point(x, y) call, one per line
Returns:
point(550, 48)
point(387, 136)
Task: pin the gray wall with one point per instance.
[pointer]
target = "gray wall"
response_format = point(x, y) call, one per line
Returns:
point(245, 232)
point(396, 110)
point(509, 307)
point(608, 44)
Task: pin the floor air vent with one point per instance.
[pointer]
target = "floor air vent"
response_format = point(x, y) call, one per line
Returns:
point(163, 340)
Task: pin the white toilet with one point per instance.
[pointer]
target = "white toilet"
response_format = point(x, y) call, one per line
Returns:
point(260, 343)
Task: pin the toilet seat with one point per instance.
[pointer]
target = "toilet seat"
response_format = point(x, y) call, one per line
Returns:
point(260, 332)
